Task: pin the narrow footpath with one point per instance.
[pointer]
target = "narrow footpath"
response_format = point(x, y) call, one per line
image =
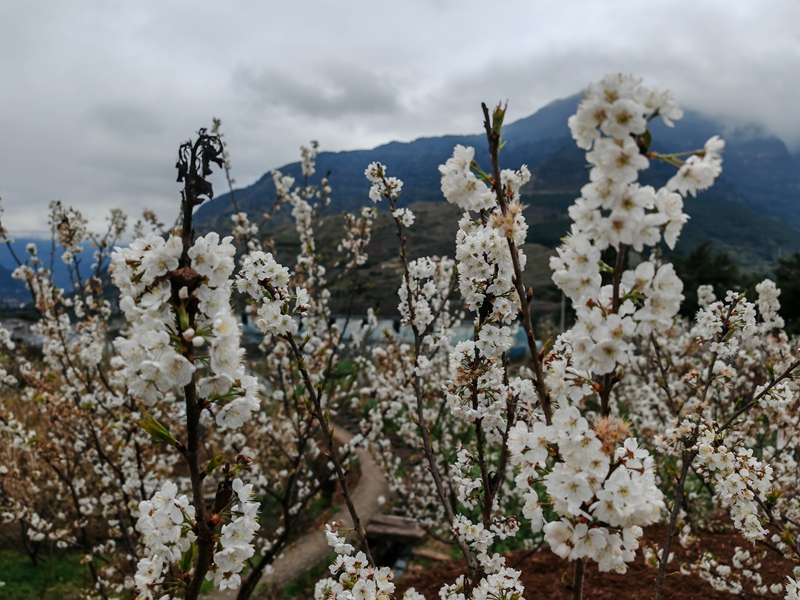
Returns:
point(312, 548)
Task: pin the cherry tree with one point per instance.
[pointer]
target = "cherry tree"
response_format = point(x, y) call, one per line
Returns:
point(159, 457)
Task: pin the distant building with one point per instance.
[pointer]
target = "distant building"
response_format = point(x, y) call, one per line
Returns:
point(21, 333)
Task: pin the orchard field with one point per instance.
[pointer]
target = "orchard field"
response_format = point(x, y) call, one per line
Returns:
point(148, 450)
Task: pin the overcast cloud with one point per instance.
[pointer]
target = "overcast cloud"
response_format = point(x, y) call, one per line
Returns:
point(97, 96)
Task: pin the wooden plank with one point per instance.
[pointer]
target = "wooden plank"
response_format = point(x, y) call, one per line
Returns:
point(395, 532)
point(394, 520)
point(430, 554)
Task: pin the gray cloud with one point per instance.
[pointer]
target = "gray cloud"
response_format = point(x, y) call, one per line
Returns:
point(338, 91)
point(97, 96)
point(125, 120)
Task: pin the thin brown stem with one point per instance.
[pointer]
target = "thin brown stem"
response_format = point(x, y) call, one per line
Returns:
point(688, 458)
point(447, 499)
point(327, 431)
point(444, 497)
point(609, 379)
point(492, 124)
point(205, 533)
point(748, 405)
point(577, 579)
point(664, 383)
point(193, 167)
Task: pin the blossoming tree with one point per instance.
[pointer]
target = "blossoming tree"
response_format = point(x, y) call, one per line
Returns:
point(617, 424)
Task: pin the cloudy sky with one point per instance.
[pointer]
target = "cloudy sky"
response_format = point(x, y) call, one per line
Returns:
point(97, 95)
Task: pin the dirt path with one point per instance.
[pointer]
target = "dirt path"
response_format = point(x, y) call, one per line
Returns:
point(313, 547)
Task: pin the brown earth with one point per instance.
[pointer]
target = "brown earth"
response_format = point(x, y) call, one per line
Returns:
point(542, 573)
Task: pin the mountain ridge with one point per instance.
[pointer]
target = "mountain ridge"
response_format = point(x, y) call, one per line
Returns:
point(759, 187)
point(759, 168)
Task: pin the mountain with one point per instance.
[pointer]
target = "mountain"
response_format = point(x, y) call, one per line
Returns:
point(752, 240)
point(529, 141)
point(13, 292)
point(52, 260)
point(751, 212)
point(760, 181)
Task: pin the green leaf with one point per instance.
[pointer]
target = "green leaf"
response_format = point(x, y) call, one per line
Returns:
point(646, 140)
point(787, 537)
point(605, 267)
point(214, 463)
point(497, 119)
point(183, 318)
point(770, 369)
point(156, 429)
point(188, 558)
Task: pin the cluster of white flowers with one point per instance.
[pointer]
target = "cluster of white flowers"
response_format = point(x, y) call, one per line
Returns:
point(700, 170)
point(615, 106)
point(726, 381)
point(740, 479)
point(358, 231)
point(769, 305)
point(166, 524)
point(779, 395)
point(69, 228)
point(461, 186)
point(284, 438)
point(213, 259)
point(356, 580)
point(468, 372)
point(154, 357)
point(486, 275)
point(306, 201)
point(743, 570)
point(566, 384)
point(602, 492)
point(428, 281)
point(705, 295)
point(504, 583)
point(405, 216)
point(792, 588)
point(283, 183)
point(7, 343)
point(382, 186)
point(478, 393)
point(481, 538)
point(397, 374)
point(243, 229)
point(485, 267)
point(724, 325)
point(150, 363)
point(614, 211)
point(136, 268)
point(309, 158)
point(235, 545)
point(603, 500)
point(499, 581)
point(266, 282)
point(600, 339)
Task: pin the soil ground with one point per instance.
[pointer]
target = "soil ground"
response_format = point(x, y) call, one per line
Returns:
point(543, 571)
